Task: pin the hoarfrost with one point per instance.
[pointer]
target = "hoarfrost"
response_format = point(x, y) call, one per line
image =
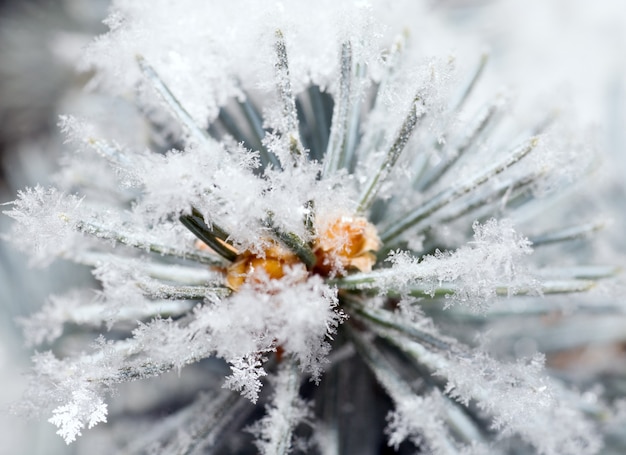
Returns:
point(493, 260)
point(421, 420)
point(45, 220)
point(286, 411)
point(522, 401)
point(245, 377)
point(85, 409)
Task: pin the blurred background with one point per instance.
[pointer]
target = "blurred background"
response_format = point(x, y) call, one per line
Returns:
point(40, 42)
point(570, 53)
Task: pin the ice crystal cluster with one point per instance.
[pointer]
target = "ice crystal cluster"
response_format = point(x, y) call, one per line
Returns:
point(318, 212)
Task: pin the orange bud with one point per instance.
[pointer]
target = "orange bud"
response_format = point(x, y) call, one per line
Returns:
point(250, 267)
point(346, 243)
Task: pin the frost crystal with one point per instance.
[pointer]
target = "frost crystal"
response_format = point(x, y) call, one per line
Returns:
point(245, 377)
point(84, 409)
point(310, 211)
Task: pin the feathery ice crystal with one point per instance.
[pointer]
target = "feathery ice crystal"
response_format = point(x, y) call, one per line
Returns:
point(346, 205)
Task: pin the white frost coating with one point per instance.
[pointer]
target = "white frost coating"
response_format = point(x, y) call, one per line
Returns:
point(522, 401)
point(209, 56)
point(422, 420)
point(48, 221)
point(245, 377)
point(85, 409)
point(198, 56)
point(45, 219)
point(119, 287)
point(287, 409)
point(47, 324)
point(70, 391)
point(566, 156)
point(217, 179)
point(220, 184)
point(108, 163)
point(206, 179)
point(86, 308)
point(414, 418)
point(492, 260)
point(294, 314)
point(518, 396)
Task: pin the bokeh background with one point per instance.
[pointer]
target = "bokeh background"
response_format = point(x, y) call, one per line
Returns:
point(566, 54)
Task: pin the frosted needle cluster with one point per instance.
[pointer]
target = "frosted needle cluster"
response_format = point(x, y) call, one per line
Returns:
point(312, 252)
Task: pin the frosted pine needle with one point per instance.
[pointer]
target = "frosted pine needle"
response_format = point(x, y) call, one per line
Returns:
point(329, 242)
